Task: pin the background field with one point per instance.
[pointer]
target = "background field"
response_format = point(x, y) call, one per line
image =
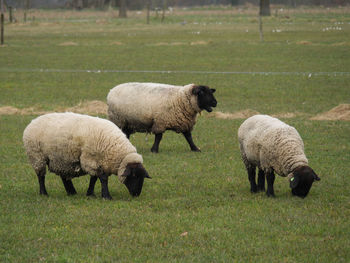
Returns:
point(197, 207)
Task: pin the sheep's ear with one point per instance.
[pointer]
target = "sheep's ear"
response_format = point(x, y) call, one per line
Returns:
point(213, 90)
point(294, 181)
point(316, 178)
point(146, 174)
point(141, 171)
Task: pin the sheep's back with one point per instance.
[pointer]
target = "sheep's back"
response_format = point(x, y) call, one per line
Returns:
point(268, 142)
point(51, 134)
point(251, 136)
point(66, 139)
point(138, 103)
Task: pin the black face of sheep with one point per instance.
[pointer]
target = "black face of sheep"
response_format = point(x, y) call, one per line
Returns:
point(206, 99)
point(302, 181)
point(135, 174)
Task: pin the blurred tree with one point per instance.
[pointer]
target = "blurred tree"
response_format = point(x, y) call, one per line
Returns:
point(148, 3)
point(122, 9)
point(77, 4)
point(264, 8)
point(85, 3)
point(26, 7)
point(293, 3)
point(141, 4)
point(2, 10)
point(164, 8)
point(99, 4)
point(234, 2)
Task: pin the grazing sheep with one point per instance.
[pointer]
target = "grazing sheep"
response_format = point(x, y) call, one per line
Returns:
point(72, 145)
point(274, 146)
point(153, 107)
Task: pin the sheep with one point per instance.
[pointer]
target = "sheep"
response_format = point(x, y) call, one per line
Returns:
point(155, 108)
point(274, 146)
point(73, 145)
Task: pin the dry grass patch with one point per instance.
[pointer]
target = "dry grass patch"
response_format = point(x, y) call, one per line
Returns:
point(169, 44)
point(69, 43)
point(249, 112)
point(94, 107)
point(341, 112)
point(9, 110)
point(304, 42)
point(117, 43)
point(288, 115)
point(339, 44)
point(236, 115)
point(199, 43)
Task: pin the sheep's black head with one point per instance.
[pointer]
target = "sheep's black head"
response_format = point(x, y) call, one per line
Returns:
point(206, 99)
point(134, 175)
point(302, 180)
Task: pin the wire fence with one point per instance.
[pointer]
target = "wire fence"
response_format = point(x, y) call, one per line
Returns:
point(264, 73)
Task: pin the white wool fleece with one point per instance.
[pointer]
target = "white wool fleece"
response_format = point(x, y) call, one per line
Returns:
point(73, 141)
point(153, 107)
point(269, 143)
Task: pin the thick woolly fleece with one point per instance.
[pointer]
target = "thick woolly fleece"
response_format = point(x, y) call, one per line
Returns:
point(269, 143)
point(153, 107)
point(73, 144)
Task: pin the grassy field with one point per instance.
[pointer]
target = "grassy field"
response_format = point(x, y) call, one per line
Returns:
point(197, 207)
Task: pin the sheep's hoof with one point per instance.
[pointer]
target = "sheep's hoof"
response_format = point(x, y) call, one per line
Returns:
point(253, 190)
point(154, 150)
point(196, 150)
point(107, 197)
point(91, 195)
point(270, 194)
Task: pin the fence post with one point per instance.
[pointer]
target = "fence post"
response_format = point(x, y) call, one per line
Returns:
point(261, 29)
point(10, 14)
point(163, 12)
point(26, 10)
point(148, 3)
point(2, 22)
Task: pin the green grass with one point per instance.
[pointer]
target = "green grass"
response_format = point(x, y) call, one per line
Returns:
point(204, 194)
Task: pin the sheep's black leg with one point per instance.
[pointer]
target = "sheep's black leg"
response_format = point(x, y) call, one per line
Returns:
point(68, 185)
point(104, 187)
point(189, 139)
point(261, 180)
point(270, 178)
point(127, 132)
point(251, 176)
point(90, 191)
point(157, 139)
point(41, 178)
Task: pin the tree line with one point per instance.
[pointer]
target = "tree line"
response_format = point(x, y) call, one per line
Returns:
point(142, 4)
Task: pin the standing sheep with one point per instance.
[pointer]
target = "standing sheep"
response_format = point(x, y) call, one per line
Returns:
point(272, 145)
point(153, 107)
point(72, 145)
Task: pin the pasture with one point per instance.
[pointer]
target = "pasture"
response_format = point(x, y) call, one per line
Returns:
point(197, 207)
